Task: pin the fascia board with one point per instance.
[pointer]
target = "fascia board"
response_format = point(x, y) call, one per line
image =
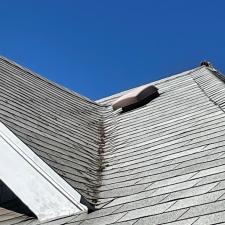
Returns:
point(41, 189)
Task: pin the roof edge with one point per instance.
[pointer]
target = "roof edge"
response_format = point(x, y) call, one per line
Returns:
point(168, 78)
point(61, 87)
point(217, 73)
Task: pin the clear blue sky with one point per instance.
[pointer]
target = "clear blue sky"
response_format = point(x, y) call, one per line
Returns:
point(98, 48)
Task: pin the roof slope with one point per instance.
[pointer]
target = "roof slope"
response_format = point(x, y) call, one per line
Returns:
point(163, 163)
point(60, 126)
point(166, 160)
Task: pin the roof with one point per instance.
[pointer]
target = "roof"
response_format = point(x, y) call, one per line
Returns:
point(60, 126)
point(162, 163)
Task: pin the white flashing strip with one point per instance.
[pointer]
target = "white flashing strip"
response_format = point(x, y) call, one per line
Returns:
point(42, 190)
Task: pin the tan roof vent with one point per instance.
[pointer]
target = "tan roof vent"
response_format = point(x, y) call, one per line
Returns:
point(136, 98)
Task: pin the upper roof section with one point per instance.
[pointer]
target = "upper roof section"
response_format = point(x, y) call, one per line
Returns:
point(60, 126)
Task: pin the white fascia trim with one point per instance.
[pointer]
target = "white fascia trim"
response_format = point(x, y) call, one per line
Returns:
point(44, 192)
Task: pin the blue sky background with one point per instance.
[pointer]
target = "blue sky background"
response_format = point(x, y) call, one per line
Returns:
point(100, 47)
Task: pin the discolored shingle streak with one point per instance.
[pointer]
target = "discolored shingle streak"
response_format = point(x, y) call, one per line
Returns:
point(163, 163)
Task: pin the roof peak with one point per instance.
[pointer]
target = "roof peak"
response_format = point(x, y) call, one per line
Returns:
point(206, 63)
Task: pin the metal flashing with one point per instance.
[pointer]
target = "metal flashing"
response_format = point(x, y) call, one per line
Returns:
point(43, 191)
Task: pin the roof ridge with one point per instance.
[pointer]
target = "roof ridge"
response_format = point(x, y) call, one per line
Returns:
point(61, 87)
point(174, 76)
point(217, 73)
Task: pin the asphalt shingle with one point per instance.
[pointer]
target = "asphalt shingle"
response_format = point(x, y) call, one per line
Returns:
point(211, 219)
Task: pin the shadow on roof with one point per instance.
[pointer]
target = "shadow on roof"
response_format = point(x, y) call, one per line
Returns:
point(9, 201)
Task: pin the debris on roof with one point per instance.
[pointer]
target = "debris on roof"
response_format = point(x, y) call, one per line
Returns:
point(159, 164)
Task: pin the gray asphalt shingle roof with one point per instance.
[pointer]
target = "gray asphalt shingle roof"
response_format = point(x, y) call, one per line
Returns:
point(162, 163)
point(59, 126)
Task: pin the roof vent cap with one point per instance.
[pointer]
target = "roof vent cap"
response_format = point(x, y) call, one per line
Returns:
point(136, 98)
point(206, 63)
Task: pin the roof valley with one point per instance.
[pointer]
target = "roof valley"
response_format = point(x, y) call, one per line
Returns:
point(106, 147)
point(60, 126)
